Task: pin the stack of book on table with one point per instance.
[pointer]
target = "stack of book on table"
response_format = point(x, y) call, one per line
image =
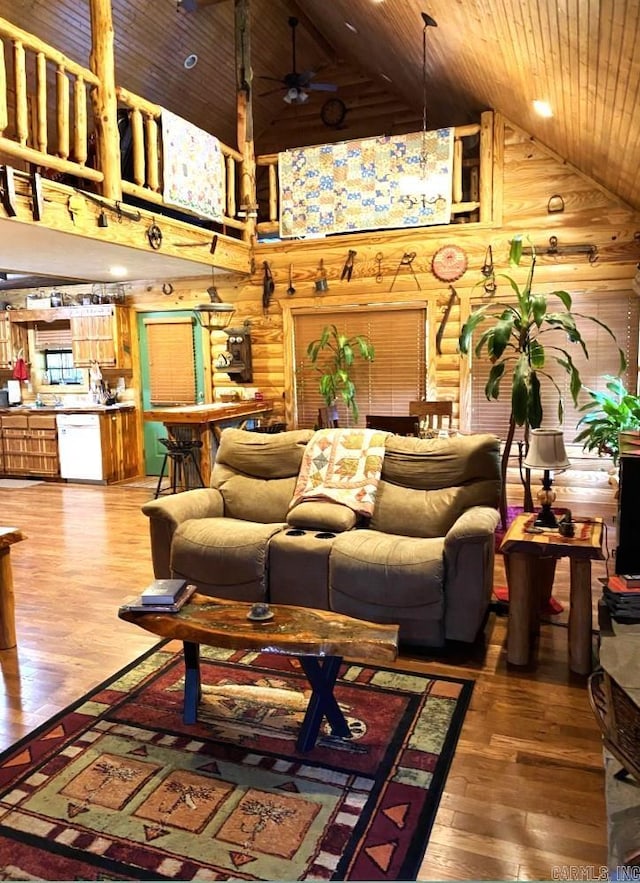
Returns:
point(161, 596)
point(622, 596)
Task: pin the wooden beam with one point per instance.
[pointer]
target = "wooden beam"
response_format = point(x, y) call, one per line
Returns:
point(248, 198)
point(105, 104)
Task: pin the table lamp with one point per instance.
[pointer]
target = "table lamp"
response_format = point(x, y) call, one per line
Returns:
point(546, 451)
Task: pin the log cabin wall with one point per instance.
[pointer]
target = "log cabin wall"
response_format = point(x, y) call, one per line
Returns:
point(526, 176)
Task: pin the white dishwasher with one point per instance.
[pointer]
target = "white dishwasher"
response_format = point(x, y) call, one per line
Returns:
point(79, 446)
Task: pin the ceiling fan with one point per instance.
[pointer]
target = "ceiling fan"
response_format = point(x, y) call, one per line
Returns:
point(297, 84)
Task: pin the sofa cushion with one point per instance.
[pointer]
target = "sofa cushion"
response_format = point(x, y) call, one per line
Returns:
point(223, 555)
point(322, 515)
point(263, 454)
point(256, 472)
point(428, 483)
point(388, 571)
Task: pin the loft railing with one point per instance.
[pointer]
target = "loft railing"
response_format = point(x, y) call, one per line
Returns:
point(144, 118)
point(472, 175)
point(45, 105)
point(24, 121)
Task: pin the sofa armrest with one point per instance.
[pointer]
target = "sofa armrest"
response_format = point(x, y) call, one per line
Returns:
point(469, 550)
point(166, 514)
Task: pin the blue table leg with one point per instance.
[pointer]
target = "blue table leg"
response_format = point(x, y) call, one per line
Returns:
point(321, 672)
point(192, 689)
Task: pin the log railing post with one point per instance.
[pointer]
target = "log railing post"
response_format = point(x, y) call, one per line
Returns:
point(41, 102)
point(4, 111)
point(22, 114)
point(248, 200)
point(105, 105)
point(62, 84)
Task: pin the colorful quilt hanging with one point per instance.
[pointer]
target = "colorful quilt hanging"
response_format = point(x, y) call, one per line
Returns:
point(366, 184)
point(193, 168)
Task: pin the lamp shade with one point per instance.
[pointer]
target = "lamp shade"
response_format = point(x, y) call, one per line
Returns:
point(546, 450)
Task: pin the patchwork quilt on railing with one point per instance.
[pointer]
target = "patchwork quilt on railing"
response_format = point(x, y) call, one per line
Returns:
point(367, 184)
point(342, 465)
point(193, 168)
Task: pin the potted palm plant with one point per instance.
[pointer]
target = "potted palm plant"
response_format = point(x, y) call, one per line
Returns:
point(333, 355)
point(606, 415)
point(520, 341)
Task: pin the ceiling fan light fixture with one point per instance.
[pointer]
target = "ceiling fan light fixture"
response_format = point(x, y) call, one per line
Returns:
point(296, 96)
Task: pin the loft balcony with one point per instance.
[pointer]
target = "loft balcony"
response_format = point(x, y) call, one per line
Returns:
point(84, 156)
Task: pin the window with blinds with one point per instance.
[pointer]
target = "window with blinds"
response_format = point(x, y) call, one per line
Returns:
point(385, 386)
point(171, 356)
point(52, 335)
point(619, 311)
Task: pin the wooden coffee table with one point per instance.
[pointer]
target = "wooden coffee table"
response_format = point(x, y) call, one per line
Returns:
point(319, 638)
point(531, 569)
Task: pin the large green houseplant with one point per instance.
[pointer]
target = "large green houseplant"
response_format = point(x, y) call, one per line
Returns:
point(524, 335)
point(333, 355)
point(605, 416)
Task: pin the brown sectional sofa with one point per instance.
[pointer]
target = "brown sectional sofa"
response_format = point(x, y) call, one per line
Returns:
point(424, 559)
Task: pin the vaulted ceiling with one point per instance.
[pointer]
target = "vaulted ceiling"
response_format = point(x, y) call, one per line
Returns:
point(579, 55)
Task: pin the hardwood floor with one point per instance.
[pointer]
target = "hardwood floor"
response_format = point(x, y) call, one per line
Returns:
point(525, 793)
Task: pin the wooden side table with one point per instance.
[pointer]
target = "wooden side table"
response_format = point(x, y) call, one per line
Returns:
point(8, 536)
point(531, 565)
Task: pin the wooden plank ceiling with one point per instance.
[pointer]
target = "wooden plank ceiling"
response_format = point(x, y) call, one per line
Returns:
point(579, 55)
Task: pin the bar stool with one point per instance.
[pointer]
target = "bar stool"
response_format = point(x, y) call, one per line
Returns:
point(181, 452)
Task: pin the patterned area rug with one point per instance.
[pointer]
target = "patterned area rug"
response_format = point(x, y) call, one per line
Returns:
point(116, 787)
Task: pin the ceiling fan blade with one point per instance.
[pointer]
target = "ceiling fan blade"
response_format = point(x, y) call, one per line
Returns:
point(270, 92)
point(274, 79)
point(322, 87)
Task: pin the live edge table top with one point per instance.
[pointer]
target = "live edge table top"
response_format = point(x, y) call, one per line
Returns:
point(587, 542)
point(298, 631)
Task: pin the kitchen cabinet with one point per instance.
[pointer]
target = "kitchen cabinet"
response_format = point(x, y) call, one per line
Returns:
point(101, 334)
point(30, 443)
point(119, 448)
point(12, 339)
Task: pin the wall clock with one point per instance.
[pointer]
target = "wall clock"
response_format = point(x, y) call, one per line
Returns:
point(333, 112)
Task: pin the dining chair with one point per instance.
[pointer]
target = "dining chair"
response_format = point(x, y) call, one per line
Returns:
point(398, 424)
point(432, 414)
point(327, 418)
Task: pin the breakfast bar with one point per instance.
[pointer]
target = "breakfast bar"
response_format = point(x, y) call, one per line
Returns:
point(200, 423)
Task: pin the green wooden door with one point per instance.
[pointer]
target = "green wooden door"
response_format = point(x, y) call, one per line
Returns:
point(153, 451)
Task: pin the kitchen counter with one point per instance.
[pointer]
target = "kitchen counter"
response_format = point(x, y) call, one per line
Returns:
point(211, 412)
point(66, 409)
point(202, 423)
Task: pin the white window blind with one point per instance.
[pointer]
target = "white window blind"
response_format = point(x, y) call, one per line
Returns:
point(384, 386)
point(171, 354)
point(619, 310)
point(52, 335)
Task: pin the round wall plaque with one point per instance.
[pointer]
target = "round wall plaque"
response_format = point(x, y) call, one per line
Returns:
point(449, 263)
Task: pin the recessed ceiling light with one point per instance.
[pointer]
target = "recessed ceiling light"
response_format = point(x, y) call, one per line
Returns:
point(351, 27)
point(190, 61)
point(118, 271)
point(543, 108)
